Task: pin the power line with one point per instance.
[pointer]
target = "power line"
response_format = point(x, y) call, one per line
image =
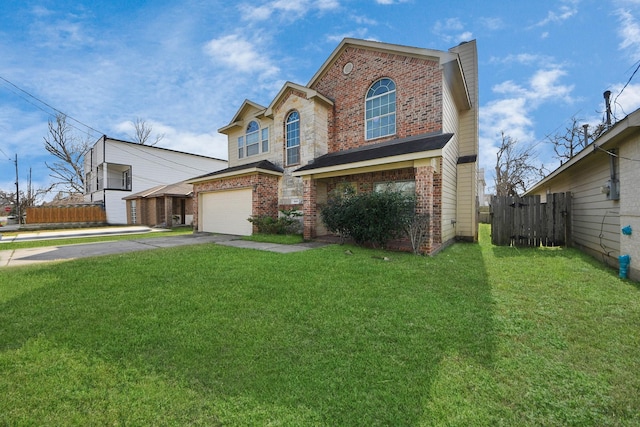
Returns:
point(48, 105)
point(615, 155)
point(615, 101)
point(6, 155)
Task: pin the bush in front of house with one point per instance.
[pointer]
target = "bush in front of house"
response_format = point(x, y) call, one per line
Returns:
point(286, 223)
point(374, 217)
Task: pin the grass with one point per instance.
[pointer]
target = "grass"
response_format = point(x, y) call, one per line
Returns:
point(211, 335)
point(283, 239)
point(93, 239)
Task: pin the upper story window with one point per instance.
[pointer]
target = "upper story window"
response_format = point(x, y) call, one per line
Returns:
point(380, 109)
point(265, 140)
point(292, 133)
point(240, 147)
point(254, 141)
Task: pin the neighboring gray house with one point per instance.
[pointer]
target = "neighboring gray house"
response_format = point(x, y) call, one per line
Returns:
point(115, 169)
point(604, 180)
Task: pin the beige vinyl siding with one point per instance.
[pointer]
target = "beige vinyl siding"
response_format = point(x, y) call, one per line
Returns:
point(467, 183)
point(595, 221)
point(270, 155)
point(469, 118)
point(449, 169)
point(467, 145)
point(630, 203)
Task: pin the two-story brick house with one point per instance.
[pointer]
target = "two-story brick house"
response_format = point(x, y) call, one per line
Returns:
point(375, 115)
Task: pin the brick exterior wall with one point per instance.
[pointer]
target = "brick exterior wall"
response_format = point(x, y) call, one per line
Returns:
point(265, 193)
point(428, 192)
point(310, 196)
point(418, 95)
point(327, 129)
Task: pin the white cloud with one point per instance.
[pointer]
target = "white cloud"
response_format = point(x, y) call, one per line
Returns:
point(210, 144)
point(363, 20)
point(327, 4)
point(241, 55)
point(390, 2)
point(444, 30)
point(513, 112)
point(545, 85)
point(523, 58)
point(492, 23)
point(360, 33)
point(626, 101)
point(286, 9)
point(564, 12)
point(629, 32)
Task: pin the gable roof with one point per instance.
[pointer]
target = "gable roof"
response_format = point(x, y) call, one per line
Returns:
point(310, 94)
point(263, 166)
point(390, 151)
point(235, 121)
point(179, 189)
point(450, 61)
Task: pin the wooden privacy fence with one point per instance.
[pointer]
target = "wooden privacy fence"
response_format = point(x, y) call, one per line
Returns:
point(526, 221)
point(66, 214)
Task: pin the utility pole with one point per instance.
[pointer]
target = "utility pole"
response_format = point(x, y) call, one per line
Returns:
point(17, 193)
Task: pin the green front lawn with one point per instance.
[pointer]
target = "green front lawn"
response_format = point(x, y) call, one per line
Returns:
point(219, 336)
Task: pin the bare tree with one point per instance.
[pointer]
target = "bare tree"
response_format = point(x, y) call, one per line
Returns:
point(32, 197)
point(574, 139)
point(515, 167)
point(69, 150)
point(143, 133)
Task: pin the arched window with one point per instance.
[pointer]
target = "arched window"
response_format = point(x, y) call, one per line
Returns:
point(253, 138)
point(380, 109)
point(292, 132)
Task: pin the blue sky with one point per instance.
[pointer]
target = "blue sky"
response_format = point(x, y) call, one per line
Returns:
point(186, 66)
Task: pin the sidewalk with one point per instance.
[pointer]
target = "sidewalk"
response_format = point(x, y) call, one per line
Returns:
point(16, 257)
point(74, 233)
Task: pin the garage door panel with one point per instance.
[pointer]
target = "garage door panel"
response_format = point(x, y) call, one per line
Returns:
point(226, 212)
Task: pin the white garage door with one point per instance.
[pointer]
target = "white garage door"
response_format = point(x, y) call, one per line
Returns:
point(226, 212)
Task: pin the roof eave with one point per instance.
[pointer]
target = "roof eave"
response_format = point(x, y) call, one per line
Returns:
point(249, 171)
point(379, 162)
point(310, 93)
point(624, 128)
point(436, 55)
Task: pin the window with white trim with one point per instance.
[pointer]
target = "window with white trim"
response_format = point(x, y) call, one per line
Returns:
point(380, 109)
point(240, 147)
point(292, 133)
point(252, 139)
point(265, 140)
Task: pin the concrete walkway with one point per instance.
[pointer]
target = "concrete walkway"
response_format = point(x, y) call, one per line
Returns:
point(74, 233)
point(17, 257)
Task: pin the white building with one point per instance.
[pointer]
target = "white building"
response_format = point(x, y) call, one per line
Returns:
point(115, 169)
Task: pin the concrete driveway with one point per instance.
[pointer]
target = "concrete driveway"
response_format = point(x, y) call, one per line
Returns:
point(17, 257)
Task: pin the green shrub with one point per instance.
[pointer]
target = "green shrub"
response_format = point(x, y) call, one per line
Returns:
point(287, 223)
point(374, 217)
